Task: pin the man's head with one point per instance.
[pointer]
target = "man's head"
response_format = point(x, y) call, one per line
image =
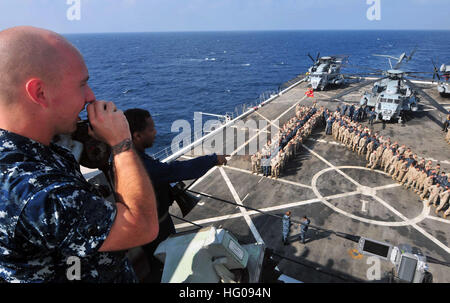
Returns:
point(142, 128)
point(43, 82)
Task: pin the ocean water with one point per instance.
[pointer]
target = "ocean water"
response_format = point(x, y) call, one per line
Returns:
point(174, 75)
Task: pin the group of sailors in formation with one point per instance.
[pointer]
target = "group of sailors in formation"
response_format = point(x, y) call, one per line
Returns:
point(398, 161)
point(272, 159)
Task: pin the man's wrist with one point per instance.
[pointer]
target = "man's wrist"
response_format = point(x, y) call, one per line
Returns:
point(123, 146)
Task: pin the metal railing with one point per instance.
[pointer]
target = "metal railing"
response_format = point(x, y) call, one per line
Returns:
point(238, 111)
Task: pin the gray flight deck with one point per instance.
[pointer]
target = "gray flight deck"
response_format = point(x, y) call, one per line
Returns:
point(331, 185)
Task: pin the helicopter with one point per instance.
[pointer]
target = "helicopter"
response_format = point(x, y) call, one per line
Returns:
point(326, 71)
point(393, 95)
point(443, 85)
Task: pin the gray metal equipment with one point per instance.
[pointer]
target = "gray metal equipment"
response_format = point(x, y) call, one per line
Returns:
point(326, 71)
point(209, 255)
point(443, 86)
point(409, 266)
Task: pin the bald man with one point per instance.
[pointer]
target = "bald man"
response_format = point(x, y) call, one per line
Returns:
point(53, 224)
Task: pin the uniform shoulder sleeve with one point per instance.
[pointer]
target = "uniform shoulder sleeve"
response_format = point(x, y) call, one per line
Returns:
point(68, 218)
point(176, 171)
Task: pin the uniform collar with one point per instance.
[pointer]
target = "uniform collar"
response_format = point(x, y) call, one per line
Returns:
point(12, 141)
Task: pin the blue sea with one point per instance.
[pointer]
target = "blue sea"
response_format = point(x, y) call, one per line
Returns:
point(174, 75)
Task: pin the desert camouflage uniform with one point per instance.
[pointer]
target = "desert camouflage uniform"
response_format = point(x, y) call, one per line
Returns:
point(443, 200)
point(361, 146)
point(369, 149)
point(275, 163)
point(254, 159)
point(412, 179)
point(397, 168)
point(372, 160)
point(409, 171)
point(341, 133)
point(379, 153)
point(426, 186)
point(420, 181)
point(434, 191)
point(355, 141)
point(335, 129)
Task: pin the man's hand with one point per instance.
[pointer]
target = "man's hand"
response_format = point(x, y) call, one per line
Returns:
point(109, 124)
point(221, 160)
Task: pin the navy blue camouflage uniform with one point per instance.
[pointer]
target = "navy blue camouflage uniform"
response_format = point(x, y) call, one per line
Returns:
point(49, 213)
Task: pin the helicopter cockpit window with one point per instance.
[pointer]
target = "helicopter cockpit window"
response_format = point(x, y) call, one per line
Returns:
point(397, 101)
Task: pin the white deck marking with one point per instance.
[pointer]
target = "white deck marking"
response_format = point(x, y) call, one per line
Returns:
point(406, 221)
point(270, 121)
point(257, 134)
point(438, 219)
point(279, 179)
point(243, 210)
point(331, 165)
point(249, 129)
point(364, 203)
point(267, 209)
point(203, 177)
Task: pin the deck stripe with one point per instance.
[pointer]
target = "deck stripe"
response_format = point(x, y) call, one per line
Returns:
point(243, 210)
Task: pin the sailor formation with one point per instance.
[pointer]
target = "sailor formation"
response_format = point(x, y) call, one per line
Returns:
point(286, 144)
point(398, 161)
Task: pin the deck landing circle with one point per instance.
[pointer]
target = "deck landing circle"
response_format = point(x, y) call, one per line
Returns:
point(368, 191)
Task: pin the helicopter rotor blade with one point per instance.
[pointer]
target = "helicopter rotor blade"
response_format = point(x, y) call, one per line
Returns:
point(412, 54)
point(419, 78)
point(436, 71)
point(418, 73)
point(386, 56)
point(318, 56)
point(427, 97)
point(312, 59)
point(363, 67)
point(352, 89)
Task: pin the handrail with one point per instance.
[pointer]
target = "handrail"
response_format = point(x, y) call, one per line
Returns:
point(229, 123)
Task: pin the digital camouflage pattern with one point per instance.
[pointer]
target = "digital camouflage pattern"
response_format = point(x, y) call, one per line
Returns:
point(49, 213)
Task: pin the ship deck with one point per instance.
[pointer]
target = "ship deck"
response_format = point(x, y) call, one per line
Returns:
point(329, 184)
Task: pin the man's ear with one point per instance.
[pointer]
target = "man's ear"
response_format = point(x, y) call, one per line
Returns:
point(136, 136)
point(35, 89)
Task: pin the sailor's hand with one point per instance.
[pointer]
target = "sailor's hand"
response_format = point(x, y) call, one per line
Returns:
point(221, 160)
point(108, 124)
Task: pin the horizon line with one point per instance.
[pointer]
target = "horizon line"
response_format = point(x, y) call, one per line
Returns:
point(245, 30)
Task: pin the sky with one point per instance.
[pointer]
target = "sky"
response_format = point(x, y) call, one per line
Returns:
point(99, 16)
